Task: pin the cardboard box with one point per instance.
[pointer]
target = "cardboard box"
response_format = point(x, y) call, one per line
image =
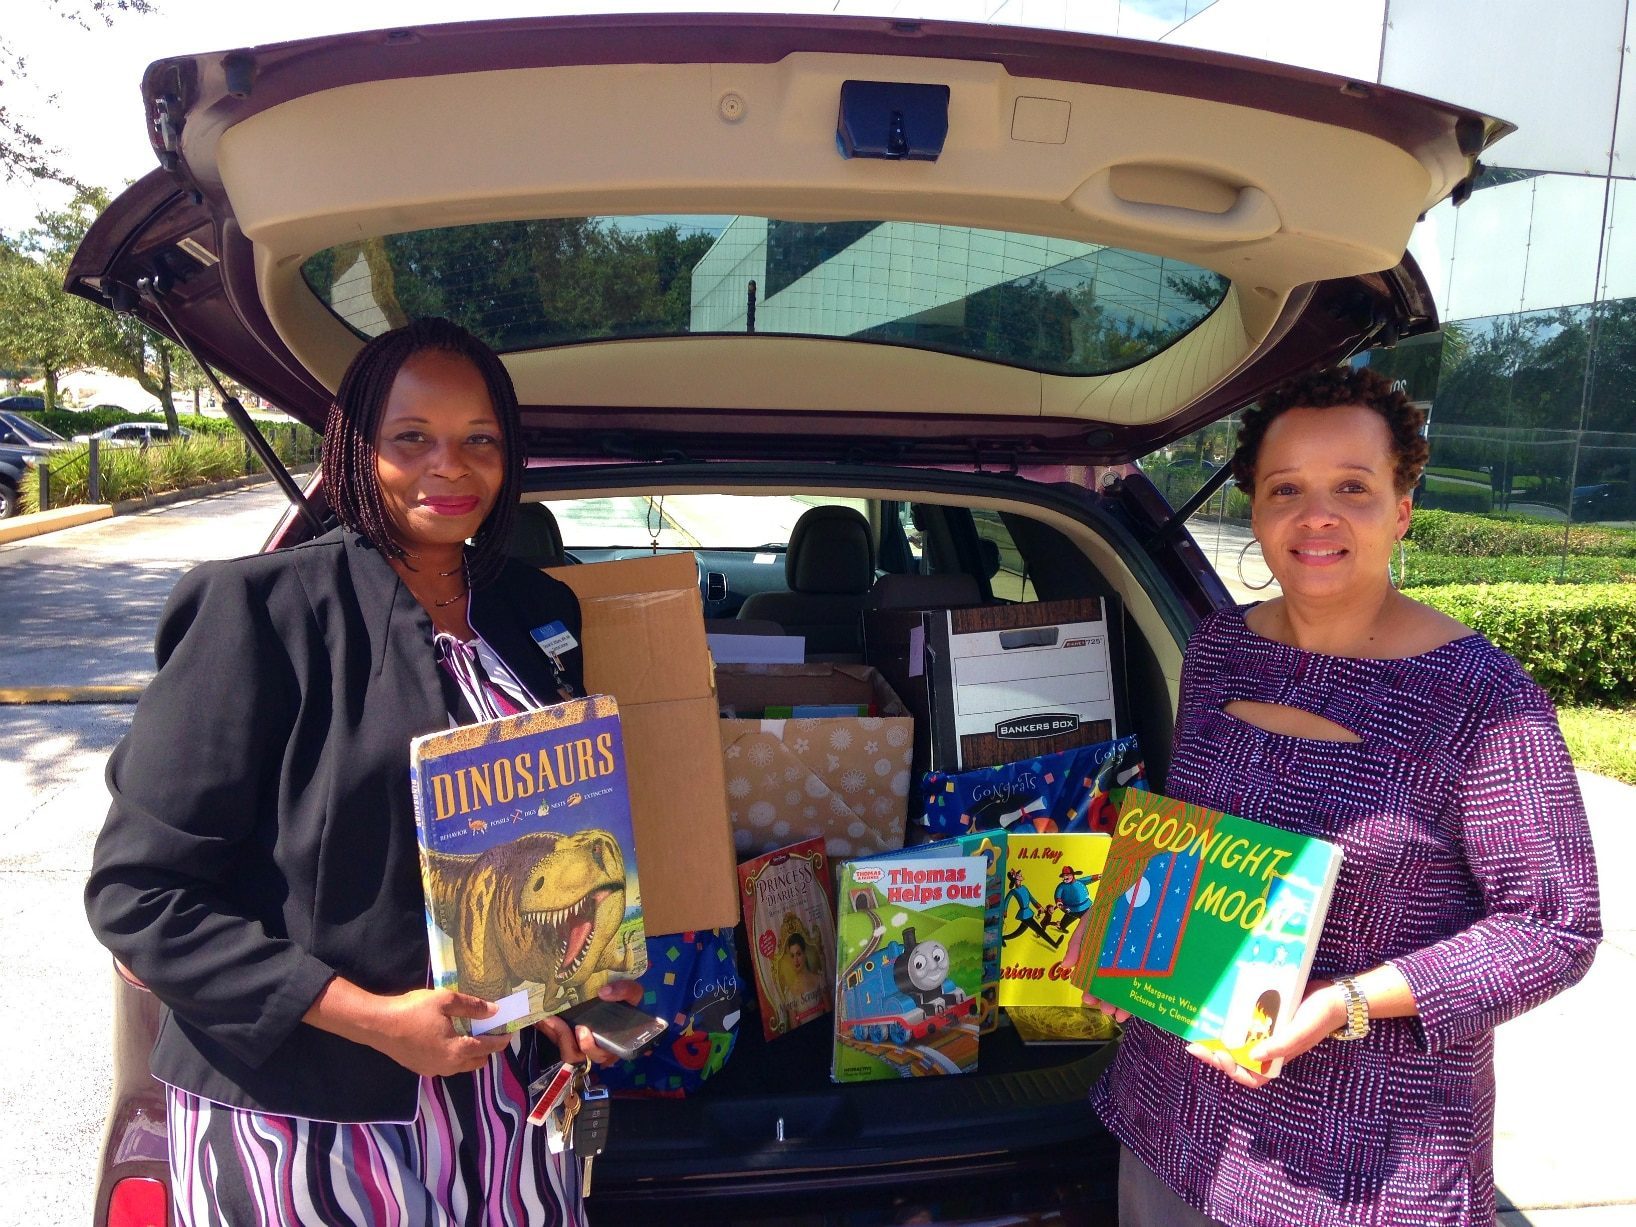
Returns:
point(1008, 682)
point(644, 644)
point(842, 778)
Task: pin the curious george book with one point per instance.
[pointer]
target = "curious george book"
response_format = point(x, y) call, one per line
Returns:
point(527, 859)
point(1051, 881)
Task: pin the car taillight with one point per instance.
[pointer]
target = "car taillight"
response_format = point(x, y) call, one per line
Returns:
point(139, 1202)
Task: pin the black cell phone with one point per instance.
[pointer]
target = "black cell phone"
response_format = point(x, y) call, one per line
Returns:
point(622, 1029)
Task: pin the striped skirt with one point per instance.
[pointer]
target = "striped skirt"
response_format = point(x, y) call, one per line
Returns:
point(469, 1157)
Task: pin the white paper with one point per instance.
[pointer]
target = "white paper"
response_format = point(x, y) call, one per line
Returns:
point(917, 650)
point(731, 649)
point(510, 1009)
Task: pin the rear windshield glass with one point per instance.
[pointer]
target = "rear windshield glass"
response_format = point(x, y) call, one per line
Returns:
point(1049, 304)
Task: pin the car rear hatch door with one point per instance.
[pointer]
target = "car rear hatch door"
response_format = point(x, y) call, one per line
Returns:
point(1069, 249)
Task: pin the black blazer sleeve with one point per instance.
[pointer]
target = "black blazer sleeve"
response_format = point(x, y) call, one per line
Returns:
point(194, 783)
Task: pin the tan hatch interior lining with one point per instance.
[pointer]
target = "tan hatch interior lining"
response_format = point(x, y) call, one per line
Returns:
point(1268, 200)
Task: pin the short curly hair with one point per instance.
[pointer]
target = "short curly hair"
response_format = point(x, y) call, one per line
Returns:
point(1328, 388)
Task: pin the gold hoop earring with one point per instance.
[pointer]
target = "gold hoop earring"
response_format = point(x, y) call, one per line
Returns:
point(1266, 583)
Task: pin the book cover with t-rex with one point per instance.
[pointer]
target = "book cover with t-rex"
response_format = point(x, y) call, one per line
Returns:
point(1205, 924)
point(527, 859)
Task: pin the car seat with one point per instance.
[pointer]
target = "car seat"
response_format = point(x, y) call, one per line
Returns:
point(536, 541)
point(829, 568)
point(952, 590)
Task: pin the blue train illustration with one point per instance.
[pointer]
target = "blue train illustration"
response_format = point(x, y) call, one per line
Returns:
point(902, 992)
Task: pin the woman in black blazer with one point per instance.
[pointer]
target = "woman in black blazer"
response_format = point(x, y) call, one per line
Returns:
point(259, 870)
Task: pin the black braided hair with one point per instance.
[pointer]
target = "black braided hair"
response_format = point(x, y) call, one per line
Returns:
point(1329, 388)
point(350, 460)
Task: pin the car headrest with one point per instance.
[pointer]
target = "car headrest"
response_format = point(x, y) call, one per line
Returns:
point(831, 551)
point(536, 541)
point(955, 591)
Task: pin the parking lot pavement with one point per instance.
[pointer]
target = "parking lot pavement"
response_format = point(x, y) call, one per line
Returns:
point(55, 1073)
point(79, 606)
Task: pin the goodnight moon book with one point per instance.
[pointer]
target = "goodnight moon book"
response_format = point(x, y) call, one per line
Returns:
point(1205, 924)
point(527, 859)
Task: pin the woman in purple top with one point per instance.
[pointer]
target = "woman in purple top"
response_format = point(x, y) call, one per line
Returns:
point(1467, 893)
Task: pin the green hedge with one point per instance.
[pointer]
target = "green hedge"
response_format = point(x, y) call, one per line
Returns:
point(68, 422)
point(1449, 532)
point(1440, 493)
point(1578, 642)
point(1435, 570)
point(1180, 482)
point(136, 472)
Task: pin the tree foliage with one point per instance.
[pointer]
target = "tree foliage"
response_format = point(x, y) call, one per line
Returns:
point(24, 153)
point(518, 285)
point(44, 328)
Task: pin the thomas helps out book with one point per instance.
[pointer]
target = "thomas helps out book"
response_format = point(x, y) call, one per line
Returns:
point(532, 896)
point(910, 965)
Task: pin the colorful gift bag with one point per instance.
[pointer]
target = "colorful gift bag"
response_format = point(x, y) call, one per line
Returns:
point(1067, 791)
point(692, 982)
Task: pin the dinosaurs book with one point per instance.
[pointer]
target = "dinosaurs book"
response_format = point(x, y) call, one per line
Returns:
point(526, 854)
point(1205, 924)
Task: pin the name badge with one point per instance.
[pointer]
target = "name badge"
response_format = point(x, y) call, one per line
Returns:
point(554, 639)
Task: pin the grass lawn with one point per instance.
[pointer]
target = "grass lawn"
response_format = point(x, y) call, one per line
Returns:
point(1602, 739)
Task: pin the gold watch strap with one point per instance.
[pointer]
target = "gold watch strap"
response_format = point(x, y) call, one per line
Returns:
point(1357, 1010)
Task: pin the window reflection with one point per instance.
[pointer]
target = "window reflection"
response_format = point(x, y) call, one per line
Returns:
point(1529, 387)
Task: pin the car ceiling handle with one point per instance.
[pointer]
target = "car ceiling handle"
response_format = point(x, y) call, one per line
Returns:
point(1251, 216)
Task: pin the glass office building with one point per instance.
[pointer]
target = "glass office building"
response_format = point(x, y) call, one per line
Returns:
point(1530, 385)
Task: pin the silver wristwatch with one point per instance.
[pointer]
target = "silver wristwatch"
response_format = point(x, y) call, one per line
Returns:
point(1357, 1010)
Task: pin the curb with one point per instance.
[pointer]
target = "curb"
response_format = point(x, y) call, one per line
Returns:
point(37, 523)
point(148, 502)
point(25, 696)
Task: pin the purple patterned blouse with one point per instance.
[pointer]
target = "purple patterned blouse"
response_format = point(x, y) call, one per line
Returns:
point(1467, 864)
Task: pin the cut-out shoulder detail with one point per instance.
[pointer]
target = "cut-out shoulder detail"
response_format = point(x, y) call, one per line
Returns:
point(1288, 721)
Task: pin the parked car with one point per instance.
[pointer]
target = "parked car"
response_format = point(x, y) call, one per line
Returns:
point(19, 430)
point(132, 434)
point(24, 402)
point(1604, 500)
point(14, 463)
point(957, 277)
